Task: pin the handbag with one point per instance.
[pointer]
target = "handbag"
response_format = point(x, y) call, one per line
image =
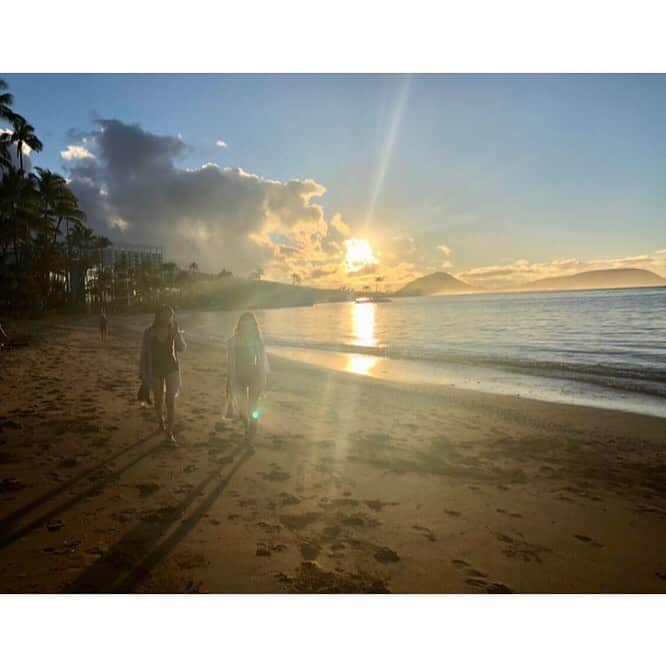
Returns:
point(143, 394)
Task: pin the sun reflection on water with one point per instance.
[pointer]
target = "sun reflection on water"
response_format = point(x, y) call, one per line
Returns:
point(363, 324)
point(360, 364)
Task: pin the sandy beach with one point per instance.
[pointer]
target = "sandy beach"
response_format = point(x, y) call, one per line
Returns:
point(357, 485)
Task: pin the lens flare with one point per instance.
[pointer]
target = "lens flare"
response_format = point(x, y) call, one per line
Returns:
point(255, 414)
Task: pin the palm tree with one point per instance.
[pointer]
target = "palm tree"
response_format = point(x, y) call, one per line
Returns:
point(51, 187)
point(23, 134)
point(194, 267)
point(71, 234)
point(257, 275)
point(6, 100)
point(295, 279)
point(5, 155)
point(57, 203)
point(20, 212)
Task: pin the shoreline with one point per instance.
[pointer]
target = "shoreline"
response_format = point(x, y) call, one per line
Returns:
point(488, 380)
point(466, 376)
point(358, 484)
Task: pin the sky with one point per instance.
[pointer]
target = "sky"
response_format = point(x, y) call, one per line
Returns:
point(361, 179)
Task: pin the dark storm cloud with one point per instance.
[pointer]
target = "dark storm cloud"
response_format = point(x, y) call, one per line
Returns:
point(216, 216)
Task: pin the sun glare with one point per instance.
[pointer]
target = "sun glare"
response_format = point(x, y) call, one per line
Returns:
point(359, 254)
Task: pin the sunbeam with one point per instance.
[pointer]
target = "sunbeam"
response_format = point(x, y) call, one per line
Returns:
point(387, 152)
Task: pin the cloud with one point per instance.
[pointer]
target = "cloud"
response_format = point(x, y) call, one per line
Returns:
point(445, 249)
point(221, 144)
point(136, 191)
point(118, 223)
point(368, 269)
point(76, 153)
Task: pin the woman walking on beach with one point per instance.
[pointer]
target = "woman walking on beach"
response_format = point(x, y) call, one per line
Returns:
point(159, 367)
point(247, 371)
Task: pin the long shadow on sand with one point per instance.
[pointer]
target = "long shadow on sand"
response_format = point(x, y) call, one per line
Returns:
point(7, 536)
point(143, 547)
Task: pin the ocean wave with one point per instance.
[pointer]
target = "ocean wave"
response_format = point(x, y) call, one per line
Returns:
point(650, 381)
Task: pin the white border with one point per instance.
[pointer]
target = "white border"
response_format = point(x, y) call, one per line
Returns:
point(340, 36)
point(269, 629)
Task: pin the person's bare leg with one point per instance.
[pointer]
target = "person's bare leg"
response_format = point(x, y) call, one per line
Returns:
point(243, 408)
point(158, 394)
point(252, 412)
point(171, 388)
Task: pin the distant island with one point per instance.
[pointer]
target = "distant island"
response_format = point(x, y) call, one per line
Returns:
point(436, 283)
point(612, 278)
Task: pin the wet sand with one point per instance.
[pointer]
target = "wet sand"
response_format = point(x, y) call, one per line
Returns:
point(357, 485)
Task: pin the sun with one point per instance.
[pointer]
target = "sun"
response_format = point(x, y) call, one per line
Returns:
point(359, 254)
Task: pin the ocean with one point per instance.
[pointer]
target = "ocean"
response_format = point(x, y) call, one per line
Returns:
point(604, 348)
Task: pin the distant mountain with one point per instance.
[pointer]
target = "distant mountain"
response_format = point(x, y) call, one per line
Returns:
point(603, 279)
point(435, 283)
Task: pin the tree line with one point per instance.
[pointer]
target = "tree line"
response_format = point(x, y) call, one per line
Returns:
point(44, 239)
point(50, 259)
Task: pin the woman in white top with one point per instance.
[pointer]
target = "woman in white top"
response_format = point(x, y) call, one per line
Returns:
point(247, 371)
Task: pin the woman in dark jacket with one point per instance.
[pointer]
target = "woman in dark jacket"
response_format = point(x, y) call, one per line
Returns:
point(159, 366)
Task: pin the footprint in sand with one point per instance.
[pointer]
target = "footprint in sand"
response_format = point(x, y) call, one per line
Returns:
point(518, 547)
point(358, 520)
point(450, 512)
point(11, 485)
point(386, 555)
point(378, 505)
point(299, 521)
point(190, 560)
point(459, 564)
point(286, 499)
point(586, 539)
point(146, 489)
point(275, 475)
point(309, 551)
point(488, 587)
point(426, 531)
point(271, 528)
